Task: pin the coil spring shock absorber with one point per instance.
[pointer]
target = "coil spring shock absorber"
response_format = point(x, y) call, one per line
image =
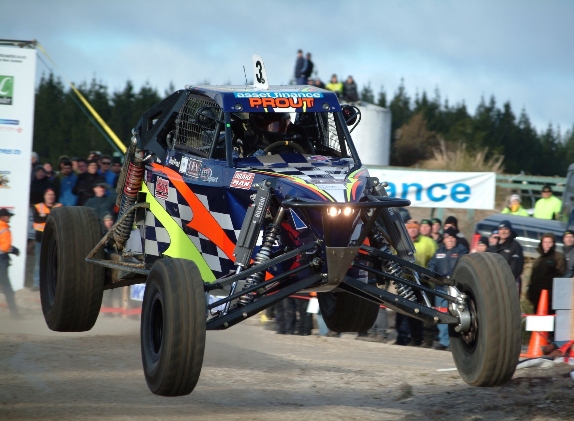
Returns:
point(132, 184)
point(262, 256)
point(393, 268)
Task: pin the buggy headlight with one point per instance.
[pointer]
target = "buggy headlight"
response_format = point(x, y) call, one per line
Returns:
point(333, 211)
point(336, 211)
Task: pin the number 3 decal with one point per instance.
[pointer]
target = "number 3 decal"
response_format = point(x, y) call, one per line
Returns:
point(259, 76)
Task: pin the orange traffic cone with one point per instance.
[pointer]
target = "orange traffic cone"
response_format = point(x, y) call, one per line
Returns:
point(538, 339)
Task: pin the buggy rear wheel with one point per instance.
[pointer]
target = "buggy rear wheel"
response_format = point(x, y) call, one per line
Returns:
point(345, 312)
point(487, 354)
point(173, 327)
point(71, 289)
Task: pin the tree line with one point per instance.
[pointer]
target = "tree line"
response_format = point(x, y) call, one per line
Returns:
point(62, 125)
point(419, 123)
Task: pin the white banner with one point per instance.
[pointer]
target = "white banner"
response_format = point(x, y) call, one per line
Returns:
point(17, 95)
point(439, 189)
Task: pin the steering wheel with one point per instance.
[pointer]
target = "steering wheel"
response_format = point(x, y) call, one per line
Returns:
point(284, 143)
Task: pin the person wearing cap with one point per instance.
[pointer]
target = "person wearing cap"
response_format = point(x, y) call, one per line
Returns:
point(451, 221)
point(84, 187)
point(40, 216)
point(39, 184)
point(510, 250)
point(515, 206)
point(7, 248)
point(425, 227)
point(568, 240)
point(549, 265)
point(101, 203)
point(409, 330)
point(443, 262)
point(482, 244)
point(436, 234)
point(548, 206)
point(335, 86)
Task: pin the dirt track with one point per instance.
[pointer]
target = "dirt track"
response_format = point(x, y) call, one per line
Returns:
point(252, 373)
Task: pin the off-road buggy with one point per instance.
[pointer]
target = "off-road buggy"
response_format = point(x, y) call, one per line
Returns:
point(251, 194)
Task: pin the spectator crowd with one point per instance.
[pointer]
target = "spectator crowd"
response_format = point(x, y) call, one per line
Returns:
point(78, 181)
point(304, 67)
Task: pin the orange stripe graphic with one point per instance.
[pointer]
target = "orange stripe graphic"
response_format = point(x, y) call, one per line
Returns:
point(202, 220)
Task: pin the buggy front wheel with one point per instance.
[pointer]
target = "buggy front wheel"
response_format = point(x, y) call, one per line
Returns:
point(173, 327)
point(487, 354)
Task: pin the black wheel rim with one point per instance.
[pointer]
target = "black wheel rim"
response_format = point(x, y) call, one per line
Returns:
point(156, 326)
point(469, 338)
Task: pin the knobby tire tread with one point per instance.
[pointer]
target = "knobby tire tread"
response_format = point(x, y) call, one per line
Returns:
point(79, 291)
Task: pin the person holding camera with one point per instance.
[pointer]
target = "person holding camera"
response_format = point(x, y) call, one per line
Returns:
point(7, 248)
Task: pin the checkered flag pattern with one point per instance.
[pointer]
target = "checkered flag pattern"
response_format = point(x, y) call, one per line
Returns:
point(157, 239)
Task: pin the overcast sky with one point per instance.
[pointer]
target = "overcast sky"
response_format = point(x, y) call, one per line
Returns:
point(517, 50)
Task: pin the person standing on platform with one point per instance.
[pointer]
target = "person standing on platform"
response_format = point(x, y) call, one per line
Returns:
point(299, 64)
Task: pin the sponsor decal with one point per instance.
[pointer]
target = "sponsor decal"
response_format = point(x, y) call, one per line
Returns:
point(11, 129)
point(162, 188)
point(206, 175)
point(242, 180)
point(440, 256)
point(281, 102)
point(319, 158)
point(4, 180)
point(278, 95)
point(193, 168)
point(173, 161)
point(183, 165)
point(454, 255)
point(10, 151)
point(6, 89)
point(12, 122)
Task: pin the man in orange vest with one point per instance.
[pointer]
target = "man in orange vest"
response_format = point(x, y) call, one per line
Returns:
point(41, 212)
point(6, 248)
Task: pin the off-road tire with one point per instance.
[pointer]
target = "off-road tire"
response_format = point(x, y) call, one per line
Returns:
point(345, 312)
point(173, 327)
point(490, 357)
point(71, 289)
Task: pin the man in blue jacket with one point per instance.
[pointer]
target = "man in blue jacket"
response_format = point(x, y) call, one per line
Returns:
point(443, 262)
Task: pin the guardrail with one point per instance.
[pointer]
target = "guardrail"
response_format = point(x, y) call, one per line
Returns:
point(529, 186)
point(529, 182)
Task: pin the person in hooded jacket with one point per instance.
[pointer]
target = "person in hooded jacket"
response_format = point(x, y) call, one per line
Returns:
point(515, 206)
point(568, 240)
point(551, 264)
point(510, 250)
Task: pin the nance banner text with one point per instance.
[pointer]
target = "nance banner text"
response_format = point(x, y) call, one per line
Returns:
point(439, 189)
point(17, 94)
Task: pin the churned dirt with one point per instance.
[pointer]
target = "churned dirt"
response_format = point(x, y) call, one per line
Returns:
point(250, 373)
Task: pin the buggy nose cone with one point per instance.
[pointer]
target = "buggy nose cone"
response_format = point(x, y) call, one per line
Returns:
point(339, 260)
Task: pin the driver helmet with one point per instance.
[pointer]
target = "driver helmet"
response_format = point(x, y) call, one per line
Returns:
point(275, 123)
